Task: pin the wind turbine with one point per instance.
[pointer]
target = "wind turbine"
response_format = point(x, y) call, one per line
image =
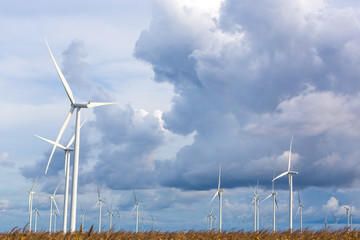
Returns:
point(78, 106)
point(347, 208)
point(100, 201)
point(289, 173)
point(335, 219)
point(351, 215)
point(137, 213)
point(82, 218)
point(56, 213)
point(256, 202)
point(301, 206)
point(31, 198)
point(210, 218)
point(36, 215)
point(111, 216)
point(152, 222)
point(219, 193)
point(273, 194)
point(326, 221)
point(52, 200)
point(118, 214)
point(67, 150)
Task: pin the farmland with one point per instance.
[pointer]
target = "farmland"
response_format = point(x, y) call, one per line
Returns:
point(22, 234)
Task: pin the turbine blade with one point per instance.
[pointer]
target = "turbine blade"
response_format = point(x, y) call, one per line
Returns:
point(97, 104)
point(219, 177)
point(34, 184)
point(135, 197)
point(290, 153)
point(299, 198)
point(57, 209)
point(214, 196)
point(59, 136)
point(63, 80)
point(52, 142)
point(297, 212)
point(281, 175)
point(267, 197)
point(98, 192)
point(251, 188)
point(73, 137)
point(56, 190)
point(132, 210)
point(276, 203)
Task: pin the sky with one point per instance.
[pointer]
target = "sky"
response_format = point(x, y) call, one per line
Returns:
point(198, 84)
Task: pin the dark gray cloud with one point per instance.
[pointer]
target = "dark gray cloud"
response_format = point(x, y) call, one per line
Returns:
point(268, 70)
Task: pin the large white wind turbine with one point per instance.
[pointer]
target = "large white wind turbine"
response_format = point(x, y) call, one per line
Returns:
point(273, 194)
point(100, 201)
point(289, 173)
point(31, 198)
point(301, 206)
point(52, 200)
point(137, 213)
point(67, 150)
point(78, 106)
point(219, 193)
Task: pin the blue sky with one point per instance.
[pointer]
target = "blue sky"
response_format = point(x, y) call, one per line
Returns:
point(198, 83)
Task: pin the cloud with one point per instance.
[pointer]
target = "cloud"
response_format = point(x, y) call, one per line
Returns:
point(248, 81)
point(4, 160)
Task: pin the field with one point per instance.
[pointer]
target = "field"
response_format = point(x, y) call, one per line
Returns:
point(21, 234)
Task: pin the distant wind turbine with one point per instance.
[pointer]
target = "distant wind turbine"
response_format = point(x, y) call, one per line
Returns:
point(256, 202)
point(99, 202)
point(273, 194)
point(36, 215)
point(67, 150)
point(347, 208)
point(78, 106)
point(152, 222)
point(111, 216)
point(326, 222)
point(82, 218)
point(301, 206)
point(289, 173)
point(118, 214)
point(52, 200)
point(31, 199)
point(137, 213)
point(219, 193)
point(335, 219)
point(56, 213)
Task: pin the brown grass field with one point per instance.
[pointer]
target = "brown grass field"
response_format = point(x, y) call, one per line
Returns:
point(22, 234)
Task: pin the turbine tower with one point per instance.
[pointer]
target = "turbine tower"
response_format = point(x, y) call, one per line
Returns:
point(275, 204)
point(67, 150)
point(100, 201)
point(301, 206)
point(111, 216)
point(219, 193)
point(289, 173)
point(326, 222)
point(52, 200)
point(137, 213)
point(31, 198)
point(78, 106)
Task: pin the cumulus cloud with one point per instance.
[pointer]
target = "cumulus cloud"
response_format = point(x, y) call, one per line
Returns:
point(4, 160)
point(249, 80)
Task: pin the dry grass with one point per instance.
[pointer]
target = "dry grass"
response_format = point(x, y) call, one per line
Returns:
point(22, 234)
